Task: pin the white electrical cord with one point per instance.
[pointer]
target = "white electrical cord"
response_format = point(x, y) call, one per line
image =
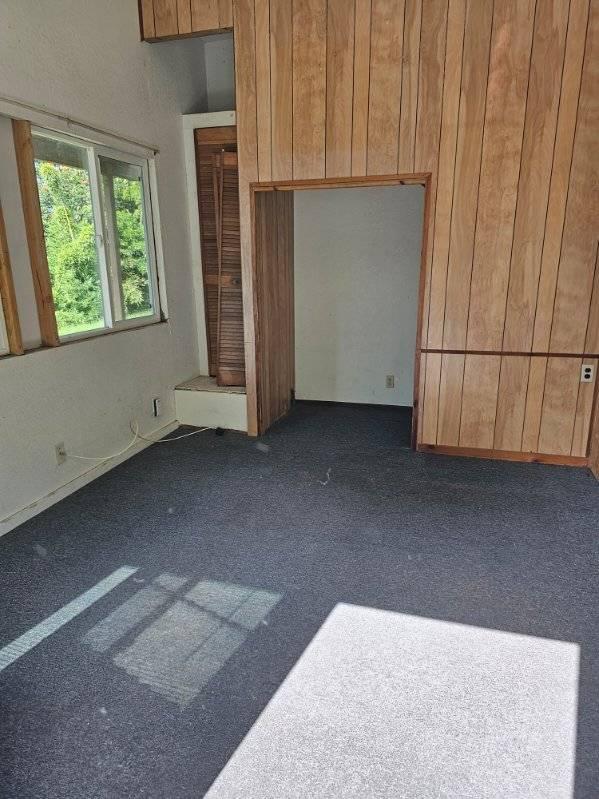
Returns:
point(136, 437)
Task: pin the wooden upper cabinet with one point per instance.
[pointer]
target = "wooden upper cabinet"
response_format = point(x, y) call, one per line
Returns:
point(172, 19)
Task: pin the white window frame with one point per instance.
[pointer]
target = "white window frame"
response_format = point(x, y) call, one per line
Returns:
point(4, 348)
point(103, 238)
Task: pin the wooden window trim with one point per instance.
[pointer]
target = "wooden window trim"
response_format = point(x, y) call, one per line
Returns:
point(35, 232)
point(7, 295)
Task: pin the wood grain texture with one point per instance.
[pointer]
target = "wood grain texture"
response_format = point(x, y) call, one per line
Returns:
point(430, 406)
point(450, 399)
point(35, 232)
point(584, 412)
point(8, 298)
point(146, 10)
point(560, 175)
point(502, 145)
point(340, 85)
point(208, 142)
point(579, 243)
point(165, 18)
point(204, 15)
point(361, 80)
point(534, 404)
point(481, 99)
point(386, 43)
point(535, 173)
point(309, 87)
point(184, 16)
point(281, 84)
point(225, 14)
point(446, 171)
point(467, 171)
point(479, 401)
point(511, 402)
point(409, 85)
point(263, 89)
point(274, 258)
point(559, 405)
point(504, 455)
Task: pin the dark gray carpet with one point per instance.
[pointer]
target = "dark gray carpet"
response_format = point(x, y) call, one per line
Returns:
point(253, 544)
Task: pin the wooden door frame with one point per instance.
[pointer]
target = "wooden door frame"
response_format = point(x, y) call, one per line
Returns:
point(253, 313)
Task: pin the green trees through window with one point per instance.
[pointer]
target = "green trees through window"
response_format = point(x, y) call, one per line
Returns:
point(81, 246)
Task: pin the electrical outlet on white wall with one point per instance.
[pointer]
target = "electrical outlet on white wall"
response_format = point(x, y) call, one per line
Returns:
point(157, 406)
point(390, 381)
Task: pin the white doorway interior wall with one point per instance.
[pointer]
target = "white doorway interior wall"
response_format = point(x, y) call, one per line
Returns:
point(357, 270)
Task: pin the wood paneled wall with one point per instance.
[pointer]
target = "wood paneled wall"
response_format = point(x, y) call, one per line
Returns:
point(273, 215)
point(169, 19)
point(499, 102)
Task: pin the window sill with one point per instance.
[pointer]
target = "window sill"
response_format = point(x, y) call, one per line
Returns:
point(92, 335)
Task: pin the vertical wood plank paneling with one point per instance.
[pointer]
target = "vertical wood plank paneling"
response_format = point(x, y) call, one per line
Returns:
point(534, 404)
point(184, 16)
point(430, 408)
point(225, 13)
point(409, 86)
point(263, 90)
point(479, 400)
point(559, 405)
point(502, 144)
point(281, 83)
point(361, 86)
point(245, 91)
point(560, 175)
point(446, 170)
point(579, 244)
point(309, 88)
point(340, 57)
point(379, 86)
point(420, 398)
point(450, 399)
point(433, 40)
point(467, 170)
point(433, 35)
point(584, 411)
point(386, 42)
point(204, 15)
point(165, 18)
point(8, 299)
point(592, 342)
point(148, 29)
point(535, 173)
point(34, 228)
point(511, 402)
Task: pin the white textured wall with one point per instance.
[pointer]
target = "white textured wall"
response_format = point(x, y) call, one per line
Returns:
point(83, 58)
point(357, 266)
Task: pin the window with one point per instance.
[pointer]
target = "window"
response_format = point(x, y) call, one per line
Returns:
point(4, 349)
point(97, 222)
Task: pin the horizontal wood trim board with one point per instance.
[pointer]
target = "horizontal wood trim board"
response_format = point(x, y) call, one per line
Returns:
point(416, 179)
point(505, 455)
point(533, 354)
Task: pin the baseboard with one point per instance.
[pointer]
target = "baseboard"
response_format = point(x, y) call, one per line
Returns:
point(335, 403)
point(29, 511)
point(504, 455)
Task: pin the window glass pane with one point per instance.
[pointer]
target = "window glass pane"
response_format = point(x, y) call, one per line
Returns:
point(66, 203)
point(123, 191)
point(3, 335)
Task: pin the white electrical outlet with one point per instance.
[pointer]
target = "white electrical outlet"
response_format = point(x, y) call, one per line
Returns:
point(157, 406)
point(587, 373)
point(390, 381)
point(61, 453)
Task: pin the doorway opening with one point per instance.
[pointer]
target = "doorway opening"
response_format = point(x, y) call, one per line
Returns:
point(339, 291)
